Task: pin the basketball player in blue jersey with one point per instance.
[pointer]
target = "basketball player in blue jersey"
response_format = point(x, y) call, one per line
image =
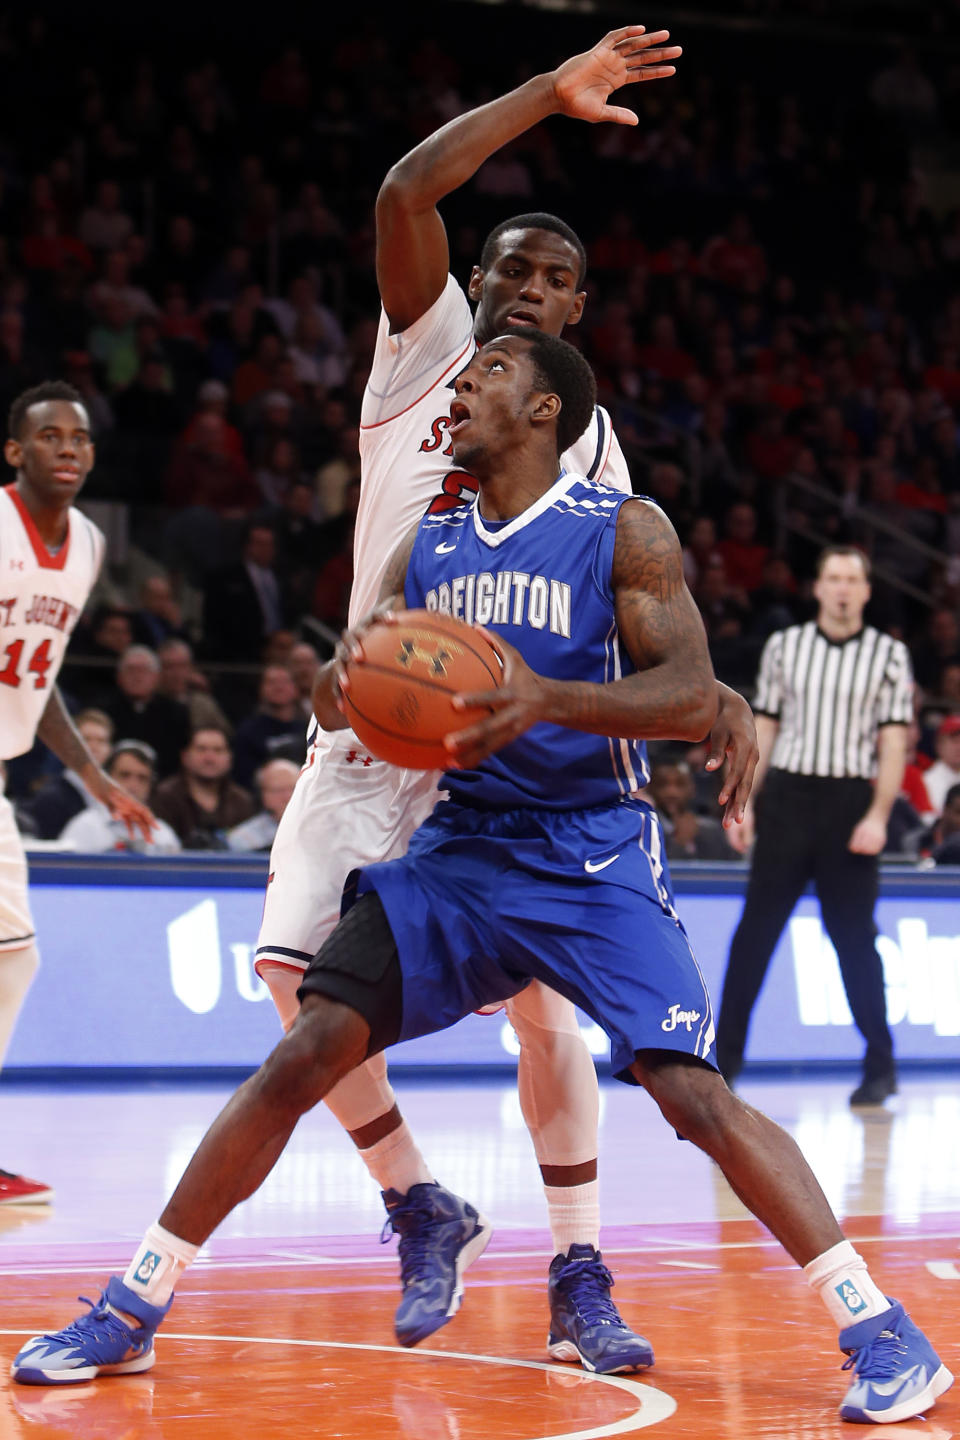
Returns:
point(543, 863)
point(350, 809)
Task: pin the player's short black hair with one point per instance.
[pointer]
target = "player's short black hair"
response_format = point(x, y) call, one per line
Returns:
point(46, 390)
point(562, 370)
point(536, 220)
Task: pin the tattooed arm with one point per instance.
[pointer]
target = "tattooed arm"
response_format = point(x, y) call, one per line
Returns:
point(674, 694)
point(58, 731)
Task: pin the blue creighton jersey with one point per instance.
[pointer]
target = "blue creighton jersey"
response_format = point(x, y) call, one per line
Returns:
point(543, 582)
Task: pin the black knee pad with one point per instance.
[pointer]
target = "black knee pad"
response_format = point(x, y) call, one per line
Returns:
point(358, 965)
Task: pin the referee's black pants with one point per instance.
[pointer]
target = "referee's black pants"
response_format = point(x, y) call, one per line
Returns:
point(803, 825)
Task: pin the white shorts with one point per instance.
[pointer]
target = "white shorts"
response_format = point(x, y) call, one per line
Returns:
point(347, 810)
point(16, 922)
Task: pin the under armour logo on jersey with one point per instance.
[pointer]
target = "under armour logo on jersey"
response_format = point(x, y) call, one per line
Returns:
point(16, 564)
point(145, 1269)
point(434, 660)
point(352, 757)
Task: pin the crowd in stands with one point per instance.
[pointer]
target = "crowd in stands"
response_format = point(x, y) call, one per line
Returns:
point(773, 318)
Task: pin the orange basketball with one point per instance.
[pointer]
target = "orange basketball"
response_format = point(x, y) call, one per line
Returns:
point(398, 703)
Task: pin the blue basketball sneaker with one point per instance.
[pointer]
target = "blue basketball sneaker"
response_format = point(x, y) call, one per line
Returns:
point(99, 1343)
point(585, 1324)
point(899, 1374)
point(440, 1235)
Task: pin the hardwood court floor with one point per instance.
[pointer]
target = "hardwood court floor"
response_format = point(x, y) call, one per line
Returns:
point(284, 1326)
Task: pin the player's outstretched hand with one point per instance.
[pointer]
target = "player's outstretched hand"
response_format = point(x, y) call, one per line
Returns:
point(584, 83)
point(123, 807)
point(515, 705)
point(733, 739)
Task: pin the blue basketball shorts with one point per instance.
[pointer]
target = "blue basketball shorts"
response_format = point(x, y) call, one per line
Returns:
point(484, 901)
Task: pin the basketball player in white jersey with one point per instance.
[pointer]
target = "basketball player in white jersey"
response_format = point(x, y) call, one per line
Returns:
point(50, 555)
point(349, 809)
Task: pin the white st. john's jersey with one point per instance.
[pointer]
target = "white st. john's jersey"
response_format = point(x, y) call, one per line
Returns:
point(41, 597)
point(406, 460)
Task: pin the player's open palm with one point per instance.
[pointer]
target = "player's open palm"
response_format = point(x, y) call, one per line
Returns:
point(516, 704)
point(584, 83)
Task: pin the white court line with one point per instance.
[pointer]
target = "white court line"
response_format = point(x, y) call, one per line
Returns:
point(689, 1264)
point(654, 1405)
point(225, 1263)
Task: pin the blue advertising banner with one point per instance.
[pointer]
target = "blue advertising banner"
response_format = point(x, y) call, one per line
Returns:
point(147, 965)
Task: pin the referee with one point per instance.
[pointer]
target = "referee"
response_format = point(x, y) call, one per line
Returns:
point(834, 699)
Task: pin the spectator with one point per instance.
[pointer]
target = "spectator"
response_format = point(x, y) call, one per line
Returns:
point(205, 471)
point(78, 371)
point(255, 376)
point(700, 550)
point(946, 832)
point(304, 663)
point(158, 618)
point(180, 680)
point(115, 292)
point(336, 475)
point(132, 765)
point(902, 91)
point(775, 604)
point(744, 559)
point(937, 647)
point(274, 730)
point(914, 788)
point(244, 604)
point(734, 259)
point(138, 712)
point(60, 797)
point(331, 594)
point(944, 773)
point(105, 225)
point(113, 344)
point(147, 410)
point(689, 836)
point(302, 544)
point(202, 803)
point(213, 398)
point(275, 781)
point(279, 472)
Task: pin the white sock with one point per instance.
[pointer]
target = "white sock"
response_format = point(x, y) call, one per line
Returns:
point(574, 1215)
point(395, 1161)
point(841, 1279)
point(158, 1264)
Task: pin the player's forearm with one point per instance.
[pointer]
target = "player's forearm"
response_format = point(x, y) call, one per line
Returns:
point(447, 159)
point(58, 731)
point(891, 763)
point(669, 702)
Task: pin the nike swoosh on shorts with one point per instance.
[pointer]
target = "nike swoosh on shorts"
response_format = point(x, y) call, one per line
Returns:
point(592, 869)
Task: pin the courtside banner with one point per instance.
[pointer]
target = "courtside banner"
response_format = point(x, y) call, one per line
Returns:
point(150, 964)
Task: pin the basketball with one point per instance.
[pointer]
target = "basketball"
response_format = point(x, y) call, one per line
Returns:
point(399, 700)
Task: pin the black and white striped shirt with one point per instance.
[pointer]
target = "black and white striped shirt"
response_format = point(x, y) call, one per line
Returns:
point(831, 697)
